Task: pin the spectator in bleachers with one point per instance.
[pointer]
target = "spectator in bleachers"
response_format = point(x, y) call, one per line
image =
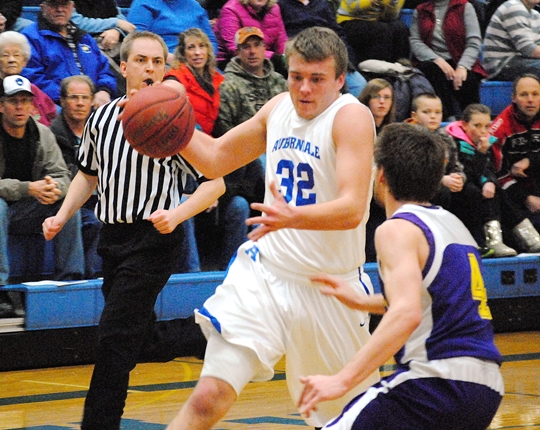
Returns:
point(168, 18)
point(426, 110)
point(14, 55)
point(374, 30)
point(250, 81)
point(478, 205)
point(194, 66)
point(104, 20)
point(10, 16)
point(517, 157)
point(34, 180)
point(76, 95)
point(378, 96)
point(512, 41)
point(264, 14)
point(446, 41)
point(298, 15)
point(60, 49)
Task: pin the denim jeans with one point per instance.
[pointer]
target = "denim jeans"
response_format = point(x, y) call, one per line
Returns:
point(518, 66)
point(25, 217)
point(91, 227)
point(189, 261)
point(233, 215)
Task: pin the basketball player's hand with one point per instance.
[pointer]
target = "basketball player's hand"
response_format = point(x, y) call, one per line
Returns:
point(340, 289)
point(278, 215)
point(164, 221)
point(51, 226)
point(319, 388)
point(168, 83)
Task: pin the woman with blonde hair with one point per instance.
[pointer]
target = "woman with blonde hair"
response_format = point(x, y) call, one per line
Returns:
point(263, 14)
point(378, 96)
point(195, 68)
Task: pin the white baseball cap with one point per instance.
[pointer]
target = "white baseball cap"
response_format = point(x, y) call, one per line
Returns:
point(15, 84)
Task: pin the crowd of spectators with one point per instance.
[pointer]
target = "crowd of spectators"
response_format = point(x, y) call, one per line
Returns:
point(229, 55)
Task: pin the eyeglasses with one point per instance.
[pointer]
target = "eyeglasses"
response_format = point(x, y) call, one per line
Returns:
point(14, 101)
point(378, 97)
point(77, 97)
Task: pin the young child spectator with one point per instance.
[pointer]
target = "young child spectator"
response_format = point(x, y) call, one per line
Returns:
point(446, 41)
point(478, 204)
point(264, 14)
point(426, 110)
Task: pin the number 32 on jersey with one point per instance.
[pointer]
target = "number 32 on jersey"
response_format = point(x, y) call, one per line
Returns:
point(297, 182)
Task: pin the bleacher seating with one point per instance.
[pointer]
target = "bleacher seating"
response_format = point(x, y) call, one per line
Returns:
point(496, 94)
point(79, 304)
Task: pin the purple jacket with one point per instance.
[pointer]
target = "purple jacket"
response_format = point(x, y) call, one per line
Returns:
point(235, 15)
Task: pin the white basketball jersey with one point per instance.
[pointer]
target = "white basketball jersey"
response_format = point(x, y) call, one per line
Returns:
point(301, 160)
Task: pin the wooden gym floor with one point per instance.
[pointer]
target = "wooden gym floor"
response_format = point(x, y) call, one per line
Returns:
point(52, 399)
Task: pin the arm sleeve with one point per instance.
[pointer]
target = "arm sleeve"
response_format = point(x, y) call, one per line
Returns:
point(473, 36)
point(418, 48)
point(93, 25)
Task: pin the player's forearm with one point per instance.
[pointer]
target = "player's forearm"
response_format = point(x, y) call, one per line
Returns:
point(387, 339)
point(204, 196)
point(81, 188)
point(344, 213)
point(375, 304)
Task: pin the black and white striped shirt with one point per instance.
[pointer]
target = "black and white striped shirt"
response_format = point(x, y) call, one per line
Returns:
point(131, 186)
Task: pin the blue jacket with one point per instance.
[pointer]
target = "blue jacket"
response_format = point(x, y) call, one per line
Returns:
point(52, 60)
point(168, 18)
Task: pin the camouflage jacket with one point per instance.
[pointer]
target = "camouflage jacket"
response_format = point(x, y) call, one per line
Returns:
point(242, 94)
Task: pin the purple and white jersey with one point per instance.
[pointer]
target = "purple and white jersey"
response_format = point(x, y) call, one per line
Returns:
point(456, 317)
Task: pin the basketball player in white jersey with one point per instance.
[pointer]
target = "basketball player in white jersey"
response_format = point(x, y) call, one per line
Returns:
point(319, 147)
point(437, 324)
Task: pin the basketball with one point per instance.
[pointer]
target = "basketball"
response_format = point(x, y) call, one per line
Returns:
point(158, 121)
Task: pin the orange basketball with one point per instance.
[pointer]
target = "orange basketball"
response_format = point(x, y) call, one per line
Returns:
point(158, 121)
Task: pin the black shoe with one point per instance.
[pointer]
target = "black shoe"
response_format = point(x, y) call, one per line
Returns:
point(6, 306)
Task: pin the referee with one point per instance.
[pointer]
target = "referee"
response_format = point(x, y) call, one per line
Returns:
point(139, 205)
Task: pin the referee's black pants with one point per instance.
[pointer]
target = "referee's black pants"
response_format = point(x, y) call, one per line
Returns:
point(137, 263)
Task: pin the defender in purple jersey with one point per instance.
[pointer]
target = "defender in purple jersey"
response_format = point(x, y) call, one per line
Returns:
point(436, 319)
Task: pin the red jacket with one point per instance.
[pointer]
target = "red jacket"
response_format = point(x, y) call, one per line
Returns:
point(516, 140)
point(205, 106)
point(453, 29)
